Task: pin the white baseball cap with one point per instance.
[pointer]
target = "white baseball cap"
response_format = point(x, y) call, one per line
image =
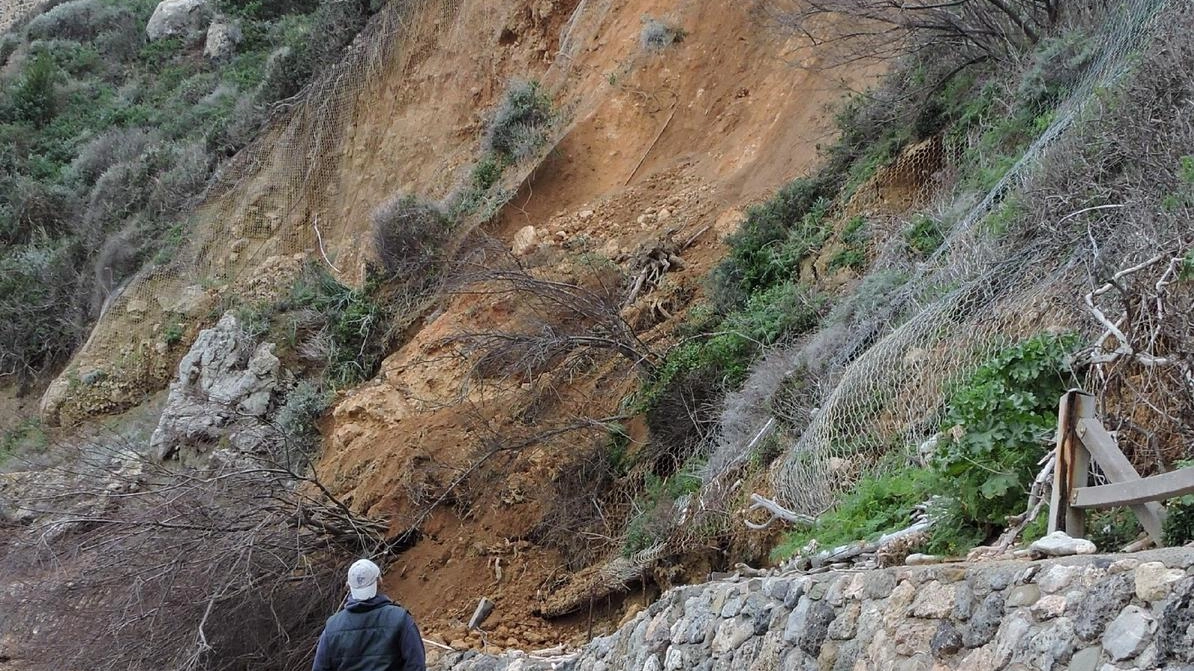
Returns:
point(362, 579)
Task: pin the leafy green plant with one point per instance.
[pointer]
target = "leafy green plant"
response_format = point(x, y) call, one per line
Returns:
point(770, 244)
point(357, 323)
point(33, 99)
point(1006, 411)
point(26, 437)
point(924, 235)
point(172, 334)
point(875, 505)
point(301, 409)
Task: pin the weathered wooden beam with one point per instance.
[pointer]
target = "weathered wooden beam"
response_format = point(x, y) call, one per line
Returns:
point(1058, 502)
point(1155, 488)
point(1118, 469)
point(1082, 409)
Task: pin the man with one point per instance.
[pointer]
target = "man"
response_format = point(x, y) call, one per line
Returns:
point(371, 633)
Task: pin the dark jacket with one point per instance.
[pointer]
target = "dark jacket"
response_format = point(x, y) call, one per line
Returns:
point(373, 635)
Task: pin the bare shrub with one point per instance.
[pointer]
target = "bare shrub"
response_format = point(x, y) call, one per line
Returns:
point(42, 316)
point(979, 28)
point(138, 565)
point(115, 145)
point(519, 125)
point(79, 20)
point(409, 236)
point(559, 317)
point(37, 208)
point(185, 178)
point(657, 34)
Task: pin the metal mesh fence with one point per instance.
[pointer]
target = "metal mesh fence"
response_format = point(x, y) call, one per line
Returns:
point(876, 376)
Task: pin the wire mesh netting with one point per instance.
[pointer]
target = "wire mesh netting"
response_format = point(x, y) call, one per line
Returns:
point(877, 375)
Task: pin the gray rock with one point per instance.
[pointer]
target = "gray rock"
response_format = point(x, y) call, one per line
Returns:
point(731, 634)
point(847, 656)
point(223, 384)
point(1057, 577)
point(177, 18)
point(934, 600)
point(1102, 603)
point(776, 588)
point(222, 38)
point(878, 584)
point(808, 625)
point(1060, 544)
point(1023, 595)
point(795, 590)
point(846, 623)
point(985, 621)
point(1086, 659)
point(1050, 647)
point(1175, 635)
point(946, 641)
point(1128, 633)
point(963, 602)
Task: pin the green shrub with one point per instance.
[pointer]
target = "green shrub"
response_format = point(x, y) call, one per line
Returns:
point(1179, 520)
point(25, 438)
point(266, 10)
point(854, 238)
point(875, 505)
point(80, 20)
point(301, 409)
point(520, 123)
point(770, 244)
point(1057, 65)
point(40, 307)
point(1007, 410)
point(357, 324)
point(33, 100)
point(924, 235)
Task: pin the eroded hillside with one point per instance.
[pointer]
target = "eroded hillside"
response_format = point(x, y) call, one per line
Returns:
point(658, 148)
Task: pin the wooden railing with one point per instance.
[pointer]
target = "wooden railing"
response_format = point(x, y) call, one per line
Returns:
point(1081, 438)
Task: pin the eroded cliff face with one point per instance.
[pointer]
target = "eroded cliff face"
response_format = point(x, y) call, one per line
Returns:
point(659, 148)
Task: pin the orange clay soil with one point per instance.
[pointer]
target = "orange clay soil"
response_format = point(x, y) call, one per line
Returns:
point(661, 145)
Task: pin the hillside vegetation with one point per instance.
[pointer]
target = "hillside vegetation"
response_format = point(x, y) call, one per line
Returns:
point(552, 387)
point(110, 138)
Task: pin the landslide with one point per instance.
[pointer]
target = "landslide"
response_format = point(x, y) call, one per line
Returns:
point(668, 145)
point(659, 147)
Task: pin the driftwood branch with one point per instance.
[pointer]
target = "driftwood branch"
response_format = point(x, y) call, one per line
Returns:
point(778, 512)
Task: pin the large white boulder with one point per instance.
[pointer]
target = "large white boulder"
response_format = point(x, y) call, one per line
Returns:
point(178, 18)
point(224, 386)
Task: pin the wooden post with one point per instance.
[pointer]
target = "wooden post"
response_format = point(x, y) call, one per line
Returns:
point(1059, 500)
point(1082, 407)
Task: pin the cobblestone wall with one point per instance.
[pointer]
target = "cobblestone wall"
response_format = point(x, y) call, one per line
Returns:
point(1089, 613)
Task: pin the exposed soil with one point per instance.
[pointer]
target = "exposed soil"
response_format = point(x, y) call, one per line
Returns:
point(670, 145)
point(665, 147)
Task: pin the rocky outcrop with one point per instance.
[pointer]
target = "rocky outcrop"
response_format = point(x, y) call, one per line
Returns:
point(177, 18)
point(1082, 613)
point(224, 387)
point(222, 37)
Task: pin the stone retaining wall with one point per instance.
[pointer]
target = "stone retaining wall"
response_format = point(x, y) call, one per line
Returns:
point(1089, 613)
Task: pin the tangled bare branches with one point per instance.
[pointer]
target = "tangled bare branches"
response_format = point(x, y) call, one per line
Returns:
point(137, 564)
point(884, 28)
point(560, 317)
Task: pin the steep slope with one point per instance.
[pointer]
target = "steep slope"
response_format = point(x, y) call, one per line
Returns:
point(662, 144)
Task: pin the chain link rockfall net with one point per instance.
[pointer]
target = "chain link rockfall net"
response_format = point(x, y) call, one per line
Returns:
point(876, 376)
